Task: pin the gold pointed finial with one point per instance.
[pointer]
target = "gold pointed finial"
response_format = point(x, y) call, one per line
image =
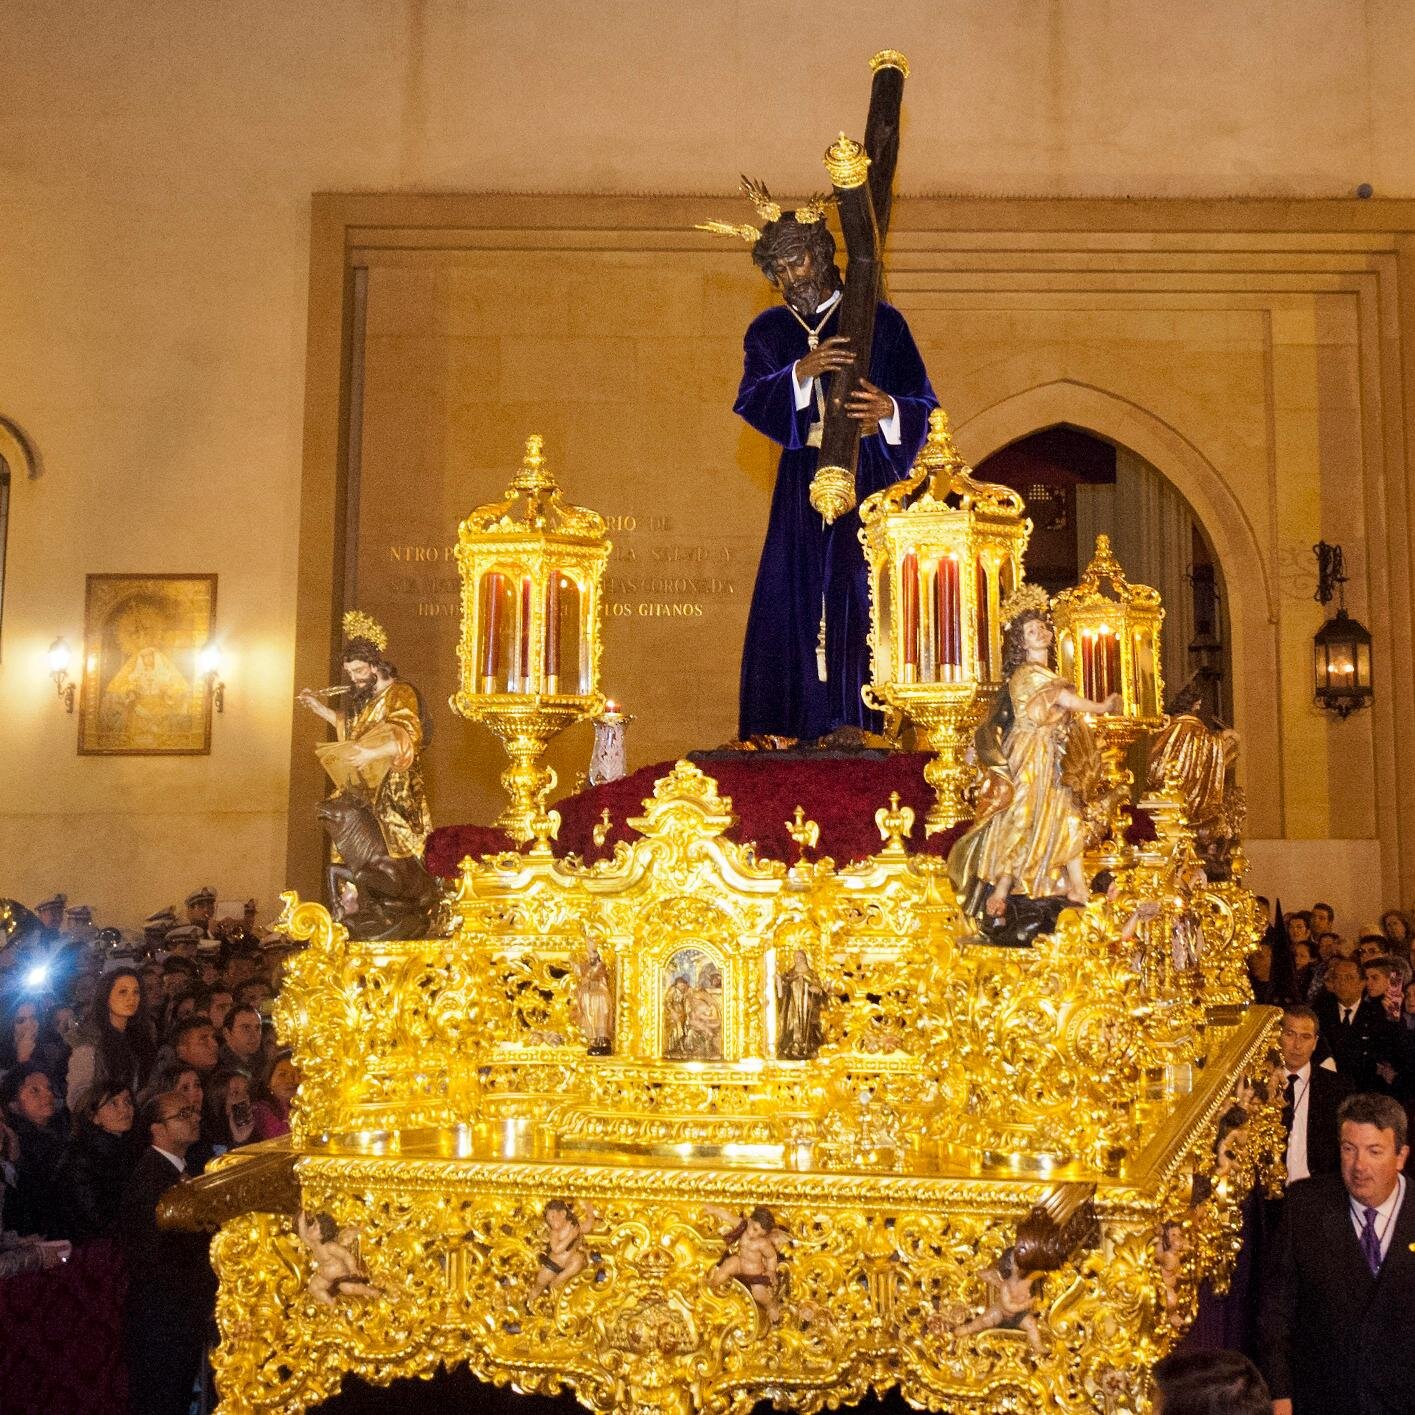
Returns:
point(805, 833)
point(889, 59)
point(847, 163)
point(895, 824)
point(533, 475)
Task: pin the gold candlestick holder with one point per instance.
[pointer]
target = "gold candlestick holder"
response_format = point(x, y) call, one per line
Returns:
point(944, 550)
point(532, 570)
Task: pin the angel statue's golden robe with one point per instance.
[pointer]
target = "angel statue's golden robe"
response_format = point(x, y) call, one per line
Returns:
point(1196, 758)
point(1036, 824)
point(393, 786)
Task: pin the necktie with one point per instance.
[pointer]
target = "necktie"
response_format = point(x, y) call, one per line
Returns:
point(1289, 1101)
point(1346, 1016)
point(1370, 1244)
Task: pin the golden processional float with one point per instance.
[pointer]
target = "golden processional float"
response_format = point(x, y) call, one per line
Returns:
point(690, 1128)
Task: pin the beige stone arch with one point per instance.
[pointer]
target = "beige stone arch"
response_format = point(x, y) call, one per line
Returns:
point(17, 450)
point(1247, 576)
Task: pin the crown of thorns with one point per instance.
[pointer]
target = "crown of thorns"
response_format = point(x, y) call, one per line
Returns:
point(769, 210)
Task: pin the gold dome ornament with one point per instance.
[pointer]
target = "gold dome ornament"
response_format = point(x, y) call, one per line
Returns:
point(847, 162)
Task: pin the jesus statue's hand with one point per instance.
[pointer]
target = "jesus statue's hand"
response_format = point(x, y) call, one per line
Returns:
point(868, 404)
point(827, 357)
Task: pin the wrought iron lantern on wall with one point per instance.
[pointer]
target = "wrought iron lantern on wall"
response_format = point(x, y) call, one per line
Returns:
point(944, 551)
point(1341, 648)
point(532, 571)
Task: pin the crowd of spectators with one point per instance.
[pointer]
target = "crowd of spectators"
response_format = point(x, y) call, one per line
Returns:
point(128, 1065)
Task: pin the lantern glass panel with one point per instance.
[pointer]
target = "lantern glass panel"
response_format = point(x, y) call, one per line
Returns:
point(565, 659)
point(1066, 656)
point(1363, 666)
point(987, 667)
point(1146, 684)
point(496, 630)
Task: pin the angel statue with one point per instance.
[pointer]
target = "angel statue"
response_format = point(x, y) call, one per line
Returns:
point(1023, 859)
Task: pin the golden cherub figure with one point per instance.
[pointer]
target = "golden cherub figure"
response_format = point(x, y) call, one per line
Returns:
point(759, 1242)
point(336, 1263)
point(1010, 1303)
point(564, 1256)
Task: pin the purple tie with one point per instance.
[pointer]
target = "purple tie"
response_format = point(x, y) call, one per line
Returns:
point(1370, 1244)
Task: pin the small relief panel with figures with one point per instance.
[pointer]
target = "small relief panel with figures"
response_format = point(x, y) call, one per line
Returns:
point(691, 989)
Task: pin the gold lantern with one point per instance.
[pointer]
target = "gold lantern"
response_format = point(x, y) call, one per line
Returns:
point(532, 570)
point(941, 561)
point(1110, 643)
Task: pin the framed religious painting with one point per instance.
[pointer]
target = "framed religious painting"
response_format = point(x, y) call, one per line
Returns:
point(142, 692)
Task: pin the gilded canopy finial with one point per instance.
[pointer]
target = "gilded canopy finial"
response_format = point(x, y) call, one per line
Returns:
point(533, 475)
point(889, 59)
point(847, 162)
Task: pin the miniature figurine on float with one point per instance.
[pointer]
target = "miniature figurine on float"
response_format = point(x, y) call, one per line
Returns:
point(1030, 833)
point(377, 819)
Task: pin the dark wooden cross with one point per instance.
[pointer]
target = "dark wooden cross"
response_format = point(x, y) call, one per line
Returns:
point(863, 193)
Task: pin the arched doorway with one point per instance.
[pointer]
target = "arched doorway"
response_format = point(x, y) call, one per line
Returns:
point(1077, 485)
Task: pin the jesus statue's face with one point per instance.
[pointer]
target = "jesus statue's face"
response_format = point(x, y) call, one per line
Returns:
point(803, 285)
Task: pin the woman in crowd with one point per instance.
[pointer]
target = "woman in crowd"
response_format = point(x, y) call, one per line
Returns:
point(117, 1046)
point(33, 1113)
point(96, 1163)
point(27, 1035)
point(228, 1120)
point(279, 1082)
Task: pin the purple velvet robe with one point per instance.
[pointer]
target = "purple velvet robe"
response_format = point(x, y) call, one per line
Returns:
point(806, 563)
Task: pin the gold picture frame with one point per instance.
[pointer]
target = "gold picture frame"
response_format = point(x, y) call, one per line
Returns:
point(142, 693)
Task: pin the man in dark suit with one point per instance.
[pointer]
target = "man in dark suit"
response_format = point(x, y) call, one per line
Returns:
point(1312, 1095)
point(1337, 1332)
point(171, 1288)
point(1355, 1026)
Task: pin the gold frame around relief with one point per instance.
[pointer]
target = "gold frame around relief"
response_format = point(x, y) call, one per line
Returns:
point(91, 695)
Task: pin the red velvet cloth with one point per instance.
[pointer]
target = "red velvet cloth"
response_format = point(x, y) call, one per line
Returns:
point(840, 793)
point(61, 1336)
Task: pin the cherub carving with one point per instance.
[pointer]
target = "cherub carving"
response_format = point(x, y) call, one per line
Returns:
point(337, 1268)
point(1173, 1244)
point(759, 1243)
point(1010, 1301)
point(564, 1256)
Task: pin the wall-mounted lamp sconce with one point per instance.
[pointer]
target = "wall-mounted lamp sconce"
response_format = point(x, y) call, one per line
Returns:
point(60, 657)
point(1341, 648)
point(209, 667)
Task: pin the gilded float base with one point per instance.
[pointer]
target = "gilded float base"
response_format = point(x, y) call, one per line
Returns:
point(878, 1273)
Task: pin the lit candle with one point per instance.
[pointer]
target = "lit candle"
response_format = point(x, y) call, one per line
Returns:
point(490, 629)
point(910, 618)
point(1112, 662)
point(525, 663)
point(1088, 664)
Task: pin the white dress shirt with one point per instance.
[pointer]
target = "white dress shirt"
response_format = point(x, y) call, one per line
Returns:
point(889, 427)
point(1385, 1215)
point(1297, 1136)
point(178, 1163)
